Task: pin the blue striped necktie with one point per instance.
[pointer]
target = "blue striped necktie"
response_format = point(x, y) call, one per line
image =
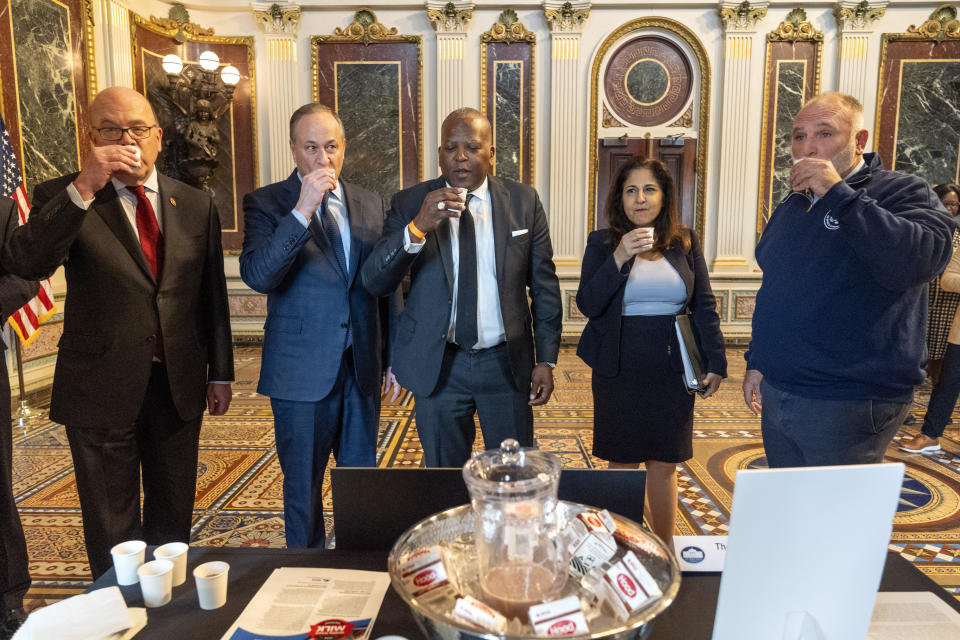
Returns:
point(333, 234)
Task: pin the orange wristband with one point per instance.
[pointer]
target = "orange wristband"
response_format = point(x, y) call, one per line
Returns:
point(415, 231)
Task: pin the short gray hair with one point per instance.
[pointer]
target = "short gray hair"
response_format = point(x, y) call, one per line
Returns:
point(851, 104)
point(307, 109)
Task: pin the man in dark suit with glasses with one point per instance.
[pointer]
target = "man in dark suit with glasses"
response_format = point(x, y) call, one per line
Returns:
point(146, 340)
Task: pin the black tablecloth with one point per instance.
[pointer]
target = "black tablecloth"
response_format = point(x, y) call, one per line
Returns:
point(690, 617)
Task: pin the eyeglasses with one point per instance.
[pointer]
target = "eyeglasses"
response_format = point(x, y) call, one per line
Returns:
point(115, 133)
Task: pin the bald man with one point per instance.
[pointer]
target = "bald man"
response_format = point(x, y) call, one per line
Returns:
point(838, 328)
point(146, 340)
point(468, 340)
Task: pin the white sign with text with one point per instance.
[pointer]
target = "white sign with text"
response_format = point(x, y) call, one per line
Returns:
point(700, 553)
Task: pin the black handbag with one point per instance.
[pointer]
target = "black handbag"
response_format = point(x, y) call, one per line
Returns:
point(693, 362)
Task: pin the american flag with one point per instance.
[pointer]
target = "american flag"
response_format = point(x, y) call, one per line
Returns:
point(25, 321)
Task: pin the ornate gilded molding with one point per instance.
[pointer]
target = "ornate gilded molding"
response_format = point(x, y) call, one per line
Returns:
point(610, 120)
point(365, 28)
point(566, 18)
point(451, 18)
point(858, 17)
point(703, 125)
point(90, 50)
point(942, 25)
point(277, 19)
point(686, 120)
point(741, 17)
point(795, 29)
point(178, 24)
point(508, 29)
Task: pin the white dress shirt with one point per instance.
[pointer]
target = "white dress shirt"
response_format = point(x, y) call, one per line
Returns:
point(490, 331)
point(338, 210)
point(128, 200)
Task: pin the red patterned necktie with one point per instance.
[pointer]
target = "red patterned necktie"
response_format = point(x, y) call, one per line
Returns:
point(152, 244)
point(149, 231)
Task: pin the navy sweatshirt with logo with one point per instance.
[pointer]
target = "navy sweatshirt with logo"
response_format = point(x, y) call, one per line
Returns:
point(842, 310)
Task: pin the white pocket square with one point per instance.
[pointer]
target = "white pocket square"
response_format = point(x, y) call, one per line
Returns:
point(519, 232)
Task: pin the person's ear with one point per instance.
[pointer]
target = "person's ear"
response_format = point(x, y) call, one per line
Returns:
point(861, 140)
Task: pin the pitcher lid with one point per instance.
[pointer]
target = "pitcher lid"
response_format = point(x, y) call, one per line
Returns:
point(512, 470)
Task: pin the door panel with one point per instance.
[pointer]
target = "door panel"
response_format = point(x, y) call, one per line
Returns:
point(681, 161)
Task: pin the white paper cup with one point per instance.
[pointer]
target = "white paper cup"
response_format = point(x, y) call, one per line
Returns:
point(127, 557)
point(156, 582)
point(211, 578)
point(175, 552)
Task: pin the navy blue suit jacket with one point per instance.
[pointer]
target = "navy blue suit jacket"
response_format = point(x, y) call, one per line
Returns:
point(309, 303)
point(600, 298)
point(524, 259)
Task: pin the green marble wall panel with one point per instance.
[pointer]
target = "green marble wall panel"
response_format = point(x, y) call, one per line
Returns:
point(46, 92)
point(928, 121)
point(790, 81)
point(368, 101)
point(508, 118)
point(647, 81)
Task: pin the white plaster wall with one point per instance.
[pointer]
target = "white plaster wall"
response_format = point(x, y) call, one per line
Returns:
point(320, 17)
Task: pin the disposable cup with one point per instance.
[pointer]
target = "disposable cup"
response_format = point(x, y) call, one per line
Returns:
point(127, 557)
point(175, 552)
point(156, 582)
point(211, 579)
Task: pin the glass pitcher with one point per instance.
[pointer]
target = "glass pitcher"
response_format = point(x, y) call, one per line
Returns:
point(522, 559)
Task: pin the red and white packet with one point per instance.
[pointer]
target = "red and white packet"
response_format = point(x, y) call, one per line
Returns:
point(598, 521)
point(632, 583)
point(426, 576)
point(479, 614)
point(562, 617)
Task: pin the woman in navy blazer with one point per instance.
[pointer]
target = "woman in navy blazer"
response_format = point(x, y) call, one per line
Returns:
point(636, 276)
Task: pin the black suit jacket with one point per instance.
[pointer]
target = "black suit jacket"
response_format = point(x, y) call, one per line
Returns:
point(14, 291)
point(114, 307)
point(600, 298)
point(524, 262)
point(309, 302)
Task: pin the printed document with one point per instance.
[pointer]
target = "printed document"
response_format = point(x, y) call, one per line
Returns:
point(331, 604)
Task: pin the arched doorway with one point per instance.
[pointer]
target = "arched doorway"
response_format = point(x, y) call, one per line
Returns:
point(650, 91)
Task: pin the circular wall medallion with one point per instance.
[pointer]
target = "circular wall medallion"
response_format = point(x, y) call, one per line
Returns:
point(648, 81)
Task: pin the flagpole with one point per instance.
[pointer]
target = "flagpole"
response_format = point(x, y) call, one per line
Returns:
point(24, 412)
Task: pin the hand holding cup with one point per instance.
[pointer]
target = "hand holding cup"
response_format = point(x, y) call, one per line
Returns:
point(102, 163)
point(813, 176)
point(634, 242)
point(440, 204)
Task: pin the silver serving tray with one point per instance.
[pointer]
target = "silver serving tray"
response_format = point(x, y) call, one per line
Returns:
point(455, 526)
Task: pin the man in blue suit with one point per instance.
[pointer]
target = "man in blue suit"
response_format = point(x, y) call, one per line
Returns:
point(325, 337)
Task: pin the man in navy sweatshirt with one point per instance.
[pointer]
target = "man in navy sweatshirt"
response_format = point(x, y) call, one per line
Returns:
point(838, 329)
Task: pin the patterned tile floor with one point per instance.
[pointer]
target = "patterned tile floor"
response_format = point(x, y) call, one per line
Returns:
point(239, 498)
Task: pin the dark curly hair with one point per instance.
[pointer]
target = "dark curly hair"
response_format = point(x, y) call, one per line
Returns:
point(666, 225)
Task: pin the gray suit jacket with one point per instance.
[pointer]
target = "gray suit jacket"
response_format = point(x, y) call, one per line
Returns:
point(114, 305)
point(524, 264)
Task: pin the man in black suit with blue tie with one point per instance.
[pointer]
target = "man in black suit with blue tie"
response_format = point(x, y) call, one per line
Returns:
point(474, 245)
point(325, 338)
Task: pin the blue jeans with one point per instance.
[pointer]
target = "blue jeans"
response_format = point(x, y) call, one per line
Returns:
point(944, 395)
point(809, 432)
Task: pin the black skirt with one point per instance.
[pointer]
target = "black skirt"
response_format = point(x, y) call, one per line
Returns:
point(644, 412)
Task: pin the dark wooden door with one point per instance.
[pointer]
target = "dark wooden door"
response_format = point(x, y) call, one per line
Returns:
point(679, 154)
